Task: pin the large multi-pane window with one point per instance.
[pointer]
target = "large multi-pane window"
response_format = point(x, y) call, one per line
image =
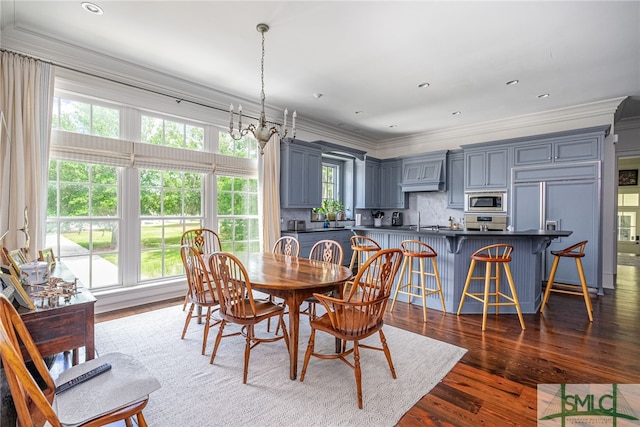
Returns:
point(238, 214)
point(116, 219)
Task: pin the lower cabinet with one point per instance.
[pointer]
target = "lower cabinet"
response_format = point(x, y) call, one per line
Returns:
point(309, 238)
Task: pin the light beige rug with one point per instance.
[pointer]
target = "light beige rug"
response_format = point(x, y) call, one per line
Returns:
point(195, 393)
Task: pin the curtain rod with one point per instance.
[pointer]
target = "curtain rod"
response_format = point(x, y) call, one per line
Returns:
point(109, 79)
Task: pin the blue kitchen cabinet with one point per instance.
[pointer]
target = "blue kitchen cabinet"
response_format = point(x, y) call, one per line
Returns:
point(455, 180)
point(300, 175)
point(367, 176)
point(487, 169)
point(391, 195)
point(558, 150)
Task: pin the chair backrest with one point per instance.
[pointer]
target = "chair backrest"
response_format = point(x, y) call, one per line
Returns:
point(574, 251)
point(204, 240)
point(287, 245)
point(33, 403)
point(327, 251)
point(364, 243)
point(417, 247)
point(233, 286)
point(197, 274)
point(375, 279)
point(500, 252)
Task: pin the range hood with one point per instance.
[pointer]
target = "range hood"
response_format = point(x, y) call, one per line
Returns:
point(424, 173)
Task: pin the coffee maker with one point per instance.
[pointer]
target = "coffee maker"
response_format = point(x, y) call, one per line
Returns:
point(396, 218)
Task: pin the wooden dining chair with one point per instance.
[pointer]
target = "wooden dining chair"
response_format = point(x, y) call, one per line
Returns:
point(287, 245)
point(201, 294)
point(238, 306)
point(118, 394)
point(205, 241)
point(323, 251)
point(358, 315)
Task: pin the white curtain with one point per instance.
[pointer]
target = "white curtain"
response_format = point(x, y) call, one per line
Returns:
point(26, 96)
point(269, 182)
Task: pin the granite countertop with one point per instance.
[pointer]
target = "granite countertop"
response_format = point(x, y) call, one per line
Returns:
point(315, 230)
point(446, 231)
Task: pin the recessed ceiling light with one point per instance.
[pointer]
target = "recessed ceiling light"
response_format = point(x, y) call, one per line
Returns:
point(425, 84)
point(92, 8)
point(456, 113)
point(318, 95)
point(359, 112)
point(543, 95)
point(512, 82)
point(393, 126)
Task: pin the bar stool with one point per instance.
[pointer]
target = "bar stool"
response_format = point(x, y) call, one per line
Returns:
point(363, 248)
point(413, 250)
point(498, 254)
point(576, 252)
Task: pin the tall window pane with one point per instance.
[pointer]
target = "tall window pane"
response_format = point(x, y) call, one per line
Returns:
point(170, 203)
point(83, 220)
point(246, 147)
point(238, 214)
point(86, 118)
point(171, 134)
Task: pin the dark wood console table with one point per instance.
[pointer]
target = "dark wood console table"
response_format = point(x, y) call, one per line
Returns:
point(67, 326)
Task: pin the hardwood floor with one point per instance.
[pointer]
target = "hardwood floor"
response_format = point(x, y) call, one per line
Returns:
point(495, 382)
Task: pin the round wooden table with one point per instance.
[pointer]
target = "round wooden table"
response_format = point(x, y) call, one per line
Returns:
point(293, 279)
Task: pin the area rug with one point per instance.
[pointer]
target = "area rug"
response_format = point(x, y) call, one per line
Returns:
point(629, 259)
point(196, 393)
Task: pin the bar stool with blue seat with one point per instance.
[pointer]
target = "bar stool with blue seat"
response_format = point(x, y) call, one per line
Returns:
point(415, 250)
point(577, 253)
point(492, 255)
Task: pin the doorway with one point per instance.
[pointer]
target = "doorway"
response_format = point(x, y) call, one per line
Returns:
point(628, 212)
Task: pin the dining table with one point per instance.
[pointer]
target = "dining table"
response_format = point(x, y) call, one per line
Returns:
point(294, 279)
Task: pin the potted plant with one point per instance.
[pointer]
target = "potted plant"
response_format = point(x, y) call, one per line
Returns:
point(317, 214)
point(338, 208)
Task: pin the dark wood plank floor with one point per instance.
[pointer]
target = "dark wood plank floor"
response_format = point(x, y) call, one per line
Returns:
point(495, 382)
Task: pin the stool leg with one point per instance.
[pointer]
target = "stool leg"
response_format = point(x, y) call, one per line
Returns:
point(437, 274)
point(422, 285)
point(507, 270)
point(487, 285)
point(399, 285)
point(552, 275)
point(497, 290)
point(466, 285)
point(585, 290)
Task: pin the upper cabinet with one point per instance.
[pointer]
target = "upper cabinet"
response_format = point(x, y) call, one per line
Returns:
point(367, 175)
point(391, 195)
point(300, 175)
point(567, 149)
point(487, 168)
point(455, 179)
point(424, 173)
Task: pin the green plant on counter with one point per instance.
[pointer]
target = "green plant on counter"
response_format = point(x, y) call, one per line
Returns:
point(331, 208)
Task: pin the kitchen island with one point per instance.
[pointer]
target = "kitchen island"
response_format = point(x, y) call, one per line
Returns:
point(454, 248)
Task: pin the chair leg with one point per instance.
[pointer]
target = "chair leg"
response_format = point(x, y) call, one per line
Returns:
point(487, 286)
point(218, 338)
point(307, 354)
point(207, 325)
point(186, 301)
point(585, 290)
point(466, 285)
point(127, 422)
point(387, 353)
point(141, 421)
point(399, 285)
point(423, 291)
point(247, 353)
point(358, 372)
point(439, 283)
point(512, 286)
point(187, 321)
point(552, 276)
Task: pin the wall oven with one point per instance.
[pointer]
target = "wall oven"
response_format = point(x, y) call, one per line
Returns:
point(494, 202)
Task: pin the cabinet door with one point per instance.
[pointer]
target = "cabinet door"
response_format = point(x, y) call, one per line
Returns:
point(413, 173)
point(475, 173)
point(391, 195)
point(571, 151)
point(313, 183)
point(497, 170)
point(367, 184)
point(532, 154)
point(455, 181)
point(301, 177)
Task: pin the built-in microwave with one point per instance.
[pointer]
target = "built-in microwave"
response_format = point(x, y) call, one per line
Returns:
point(485, 202)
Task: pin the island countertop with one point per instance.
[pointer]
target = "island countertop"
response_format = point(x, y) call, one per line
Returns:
point(445, 231)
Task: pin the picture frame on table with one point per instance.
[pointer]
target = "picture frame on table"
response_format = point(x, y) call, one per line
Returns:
point(12, 289)
point(16, 259)
point(627, 177)
point(47, 256)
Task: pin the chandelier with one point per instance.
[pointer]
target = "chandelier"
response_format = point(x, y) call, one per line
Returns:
point(262, 131)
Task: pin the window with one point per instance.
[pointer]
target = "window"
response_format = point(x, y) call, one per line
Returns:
point(83, 220)
point(117, 209)
point(246, 147)
point(330, 181)
point(170, 204)
point(238, 214)
point(628, 212)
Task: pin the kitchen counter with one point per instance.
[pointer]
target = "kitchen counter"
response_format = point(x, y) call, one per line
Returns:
point(454, 249)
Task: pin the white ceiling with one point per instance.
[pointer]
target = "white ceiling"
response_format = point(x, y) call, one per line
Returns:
point(367, 56)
